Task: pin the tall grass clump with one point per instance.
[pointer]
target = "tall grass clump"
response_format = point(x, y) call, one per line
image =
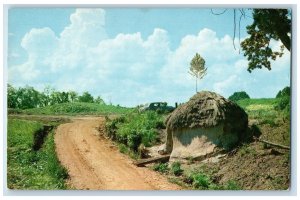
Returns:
point(134, 129)
point(176, 168)
point(28, 168)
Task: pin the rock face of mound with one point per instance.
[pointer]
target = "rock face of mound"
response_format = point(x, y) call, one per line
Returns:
point(205, 122)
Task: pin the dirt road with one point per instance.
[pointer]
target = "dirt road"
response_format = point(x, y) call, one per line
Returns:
point(94, 163)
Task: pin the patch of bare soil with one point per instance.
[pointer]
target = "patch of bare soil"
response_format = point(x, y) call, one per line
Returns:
point(94, 163)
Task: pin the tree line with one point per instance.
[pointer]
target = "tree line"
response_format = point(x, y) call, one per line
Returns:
point(28, 97)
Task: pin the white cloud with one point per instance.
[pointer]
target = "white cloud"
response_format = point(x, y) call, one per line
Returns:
point(130, 70)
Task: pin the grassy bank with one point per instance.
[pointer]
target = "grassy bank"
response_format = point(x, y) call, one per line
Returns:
point(27, 168)
point(75, 108)
point(135, 129)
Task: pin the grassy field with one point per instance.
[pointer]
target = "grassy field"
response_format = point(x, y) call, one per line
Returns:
point(28, 168)
point(74, 109)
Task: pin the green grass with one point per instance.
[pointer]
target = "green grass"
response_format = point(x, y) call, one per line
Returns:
point(134, 129)
point(249, 104)
point(29, 169)
point(161, 167)
point(202, 181)
point(77, 108)
point(176, 168)
point(264, 110)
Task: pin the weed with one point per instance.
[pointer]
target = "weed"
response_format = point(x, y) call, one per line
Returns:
point(161, 167)
point(201, 181)
point(176, 168)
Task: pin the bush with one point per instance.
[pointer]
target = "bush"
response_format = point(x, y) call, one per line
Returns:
point(239, 96)
point(176, 168)
point(161, 167)
point(135, 129)
point(201, 181)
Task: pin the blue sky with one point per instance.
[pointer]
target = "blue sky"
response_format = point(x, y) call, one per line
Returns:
point(133, 56)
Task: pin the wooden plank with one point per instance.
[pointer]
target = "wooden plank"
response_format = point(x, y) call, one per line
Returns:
point(273, 144)
point(142, 162)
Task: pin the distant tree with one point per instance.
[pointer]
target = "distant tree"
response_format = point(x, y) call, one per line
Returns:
point(73, 96)
point(267, 24)
point(28, 97)
point(99, 100)
point(239, 96)
point(197, 68)
point(44, 99)
point(12, 98)
point(64, 97)
point(284, 92)
point(86, 97)
point(284, 99)
point(46, 95)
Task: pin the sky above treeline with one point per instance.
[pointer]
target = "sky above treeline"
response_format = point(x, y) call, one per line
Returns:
point(131, 56)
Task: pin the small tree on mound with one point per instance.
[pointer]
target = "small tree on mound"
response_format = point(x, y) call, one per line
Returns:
point(197, 68)
point(239, 96)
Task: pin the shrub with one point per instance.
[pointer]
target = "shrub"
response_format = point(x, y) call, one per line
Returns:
point(201, 181)
point(134, 129)
point(176, 168)
point(161, 167)
point(239, 96)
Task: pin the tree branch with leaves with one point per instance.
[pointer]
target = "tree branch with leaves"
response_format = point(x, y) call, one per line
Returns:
point(267, 24)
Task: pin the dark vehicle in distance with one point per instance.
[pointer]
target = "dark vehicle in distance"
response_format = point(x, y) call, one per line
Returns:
point(157, 106)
